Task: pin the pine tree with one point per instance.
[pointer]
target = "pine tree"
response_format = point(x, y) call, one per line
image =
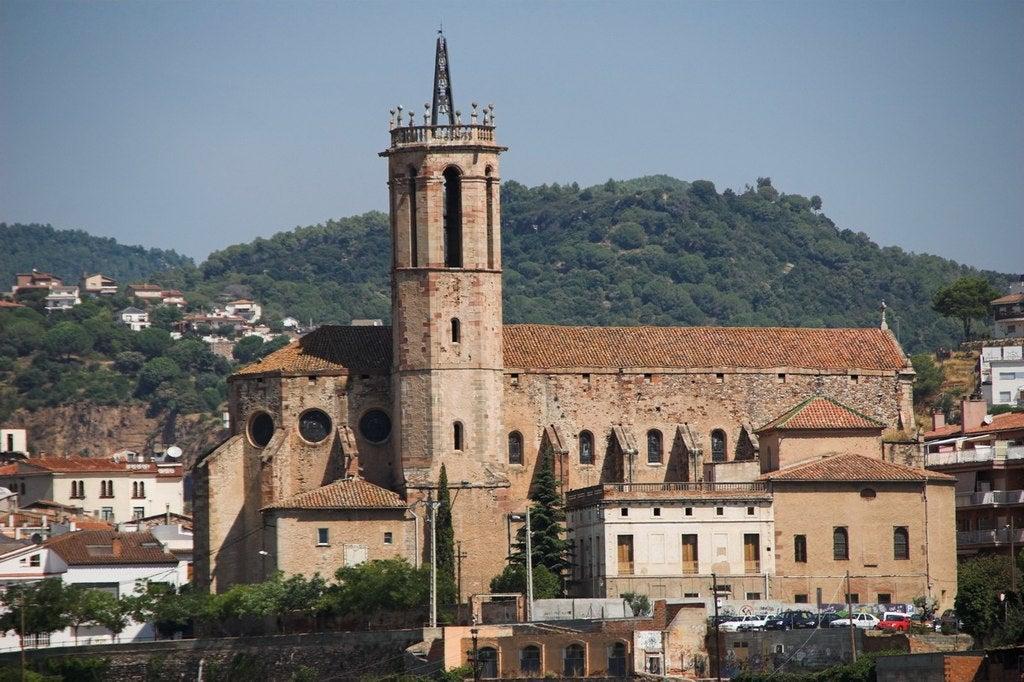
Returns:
point(446, 589)
point(547, 514)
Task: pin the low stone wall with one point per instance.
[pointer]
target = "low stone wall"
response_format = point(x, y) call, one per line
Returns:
point(797, 650)
point(284, 658)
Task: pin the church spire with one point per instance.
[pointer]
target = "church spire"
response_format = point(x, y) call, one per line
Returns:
point(442, 105)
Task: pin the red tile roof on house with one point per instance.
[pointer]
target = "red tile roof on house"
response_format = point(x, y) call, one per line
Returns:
point(1009, 298)
point(821, 413)
point(77, 464)
point(347, 493)
point(100, 547)
point(852, 468)
point(1010, 421)
point(340, 350)
point(10, 304)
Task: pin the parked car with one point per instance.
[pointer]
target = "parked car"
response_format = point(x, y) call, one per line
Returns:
point(825, 620)
point(791, 620)
point(864, 621)
point(741, 623)
point(948, 621)
point(894, 622)
point(722, 620)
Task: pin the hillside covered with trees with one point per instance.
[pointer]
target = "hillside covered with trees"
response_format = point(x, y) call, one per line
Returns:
point(653, 250)
point(71, 253)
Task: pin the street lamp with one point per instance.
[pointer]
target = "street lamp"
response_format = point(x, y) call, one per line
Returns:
point(529, 562)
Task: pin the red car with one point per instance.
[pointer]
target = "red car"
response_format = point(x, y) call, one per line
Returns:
point(894, 622)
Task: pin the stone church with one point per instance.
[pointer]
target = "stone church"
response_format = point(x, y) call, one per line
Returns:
point(338, 438)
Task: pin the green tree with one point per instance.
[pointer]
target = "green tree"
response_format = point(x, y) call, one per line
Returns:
point(547, 513)
point(966, 299)
point(156, 372)
point(152, 342)
point(86, 606)
point(165, 316)
point(378, 585)
point(980, 581)
point(928, 379)
point(446, 587)
point(248, 349)
point(66, 339)
point(35, 608)
point(546, 585)
point(628, 235)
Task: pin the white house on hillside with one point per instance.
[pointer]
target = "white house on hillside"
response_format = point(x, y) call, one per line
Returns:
point(134, 318)
point(1002, 375)
point(62, 298)
point(249, 311)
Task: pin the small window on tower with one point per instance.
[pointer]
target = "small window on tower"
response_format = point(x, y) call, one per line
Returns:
point(456, 330)
point(457, 435)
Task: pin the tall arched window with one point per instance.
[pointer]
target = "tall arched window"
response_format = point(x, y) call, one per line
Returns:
point(487, 660)
point(718, 445)
point(456, 330)
point(414, 244)
point(617, 660)
point(515, 448)
point(586, 447)
point(490, 217)
point(529, 659)
point(452, 218)
point(840, 544)
point(900, 543)
point(654, 446)
point(575, 661)
point(457, 435)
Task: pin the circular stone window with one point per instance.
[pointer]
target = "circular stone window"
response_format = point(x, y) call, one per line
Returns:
point(314, 425)
point(261, 429)
point(375, 426)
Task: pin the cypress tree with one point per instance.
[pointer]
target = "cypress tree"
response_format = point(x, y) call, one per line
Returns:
point(446, 589)
point(547, 513)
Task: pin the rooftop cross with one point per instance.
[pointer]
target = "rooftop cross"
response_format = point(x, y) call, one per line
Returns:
point(442, 105)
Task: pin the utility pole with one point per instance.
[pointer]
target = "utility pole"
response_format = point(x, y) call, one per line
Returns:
point(433, 559)
point(849, 618)
point(476, 661)
point(1013, 559)
point(529, 568)
point(22, 637)
point(718, 643)
point(459, 556)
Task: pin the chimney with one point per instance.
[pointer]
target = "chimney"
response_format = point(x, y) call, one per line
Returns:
point(972, 412)
point(938, 419)
point(115, 546)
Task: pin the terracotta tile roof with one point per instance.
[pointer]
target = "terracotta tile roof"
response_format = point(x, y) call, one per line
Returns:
point(347, 493)
point(819, 412)
point(850, 467)
point(10, 304)
point(98, 547)
point(337, 349)
point(1010, 421)
point(1009, 298)
point(8, 470)
point(77, 464)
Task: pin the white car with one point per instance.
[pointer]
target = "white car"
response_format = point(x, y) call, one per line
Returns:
point(743, 623)
point(863, 621)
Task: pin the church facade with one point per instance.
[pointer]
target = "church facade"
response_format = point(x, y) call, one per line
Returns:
point(339, 437)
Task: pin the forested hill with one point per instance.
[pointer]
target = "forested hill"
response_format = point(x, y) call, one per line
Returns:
point(654, 250)
point(71, 253)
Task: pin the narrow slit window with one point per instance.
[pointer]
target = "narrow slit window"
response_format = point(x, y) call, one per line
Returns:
point(490, 218)
point(456, 330)
point(413, 229)
point(457, 435)
point(452, 218)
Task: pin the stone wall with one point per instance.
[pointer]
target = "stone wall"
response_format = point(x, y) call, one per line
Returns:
point(796, 650)
point(334, 655)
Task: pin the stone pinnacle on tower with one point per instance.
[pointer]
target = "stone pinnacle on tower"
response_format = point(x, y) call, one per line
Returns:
point(442, 84)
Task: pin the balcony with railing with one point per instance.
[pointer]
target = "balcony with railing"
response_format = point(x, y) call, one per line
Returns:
point(442, 134)
point(980, 454)
point(990, 498)
point(582, 497)
point(981, 538)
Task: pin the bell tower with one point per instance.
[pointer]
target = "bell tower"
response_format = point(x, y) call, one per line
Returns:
point(445, 289)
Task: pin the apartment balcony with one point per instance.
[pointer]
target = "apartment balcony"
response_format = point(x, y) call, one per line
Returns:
point(981, 454)
point(983, 538)
point(991, 498)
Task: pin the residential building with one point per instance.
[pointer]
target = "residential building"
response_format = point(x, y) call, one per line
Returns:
point(9, 305)
point(27, 281)
point(150, 293)
point(121, 564)
point(107, 489)
point(62, 298)
point(986, 455)
point(667, 539)
point(291, 323)
point(98, 285)
point(249, 311)
point(13, 440)
point(1001, 373)
point(173, 297)
point(1008, 312)
point(134, 318)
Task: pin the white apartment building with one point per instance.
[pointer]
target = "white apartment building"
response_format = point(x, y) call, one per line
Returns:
point(109, 490)
point(134, 318)
point(1001, 369)
point(13, 440)
point(250, 311)
point(62, 298)
point(667, 539)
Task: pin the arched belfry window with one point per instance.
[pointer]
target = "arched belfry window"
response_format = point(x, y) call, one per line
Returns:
point(654, 446)
point(586, 447)
point(452, 218)
point(718, 445)
point(456, 330)
point(490, 216)
point(457, 436)
point(413, 230)
point(515, 448)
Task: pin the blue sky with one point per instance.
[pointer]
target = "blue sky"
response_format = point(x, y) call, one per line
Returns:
point(193, 125)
